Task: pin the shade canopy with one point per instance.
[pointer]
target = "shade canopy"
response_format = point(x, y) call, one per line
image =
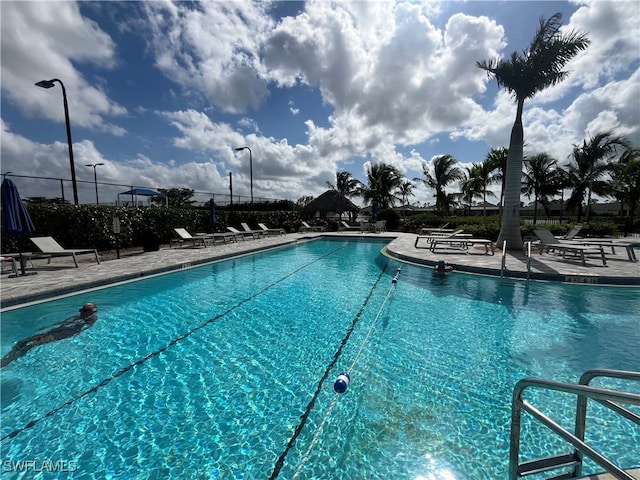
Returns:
point(332, 201)
point(15, 218)
point(145, 192)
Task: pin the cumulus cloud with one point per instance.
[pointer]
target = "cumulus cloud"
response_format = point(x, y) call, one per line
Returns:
point(28, 58)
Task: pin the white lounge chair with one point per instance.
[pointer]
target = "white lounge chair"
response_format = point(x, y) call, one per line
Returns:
point(309, 228)
point(244, 235)
point(550, 243)
point(247, 229)
point(457, 234)
point(272, 231)
point(12, 263)
point(48, 246)
point(345, 227)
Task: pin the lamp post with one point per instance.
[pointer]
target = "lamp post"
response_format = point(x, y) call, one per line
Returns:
point(95, 177)
point(49, 84)
point(250, 167)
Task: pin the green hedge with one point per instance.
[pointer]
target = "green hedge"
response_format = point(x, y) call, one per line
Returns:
point(84, 226)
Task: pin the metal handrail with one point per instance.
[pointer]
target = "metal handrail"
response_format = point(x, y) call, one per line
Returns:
point(583, 392)
point(528, 244)
point(504, 259)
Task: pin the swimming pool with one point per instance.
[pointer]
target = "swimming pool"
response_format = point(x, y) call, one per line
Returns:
point(206, 372)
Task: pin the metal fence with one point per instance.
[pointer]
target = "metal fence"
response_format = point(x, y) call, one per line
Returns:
point(106, 193)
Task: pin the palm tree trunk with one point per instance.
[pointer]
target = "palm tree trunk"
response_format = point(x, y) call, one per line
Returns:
point(510, 227)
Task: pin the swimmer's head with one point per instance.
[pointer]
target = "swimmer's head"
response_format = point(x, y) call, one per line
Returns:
point(88, 309)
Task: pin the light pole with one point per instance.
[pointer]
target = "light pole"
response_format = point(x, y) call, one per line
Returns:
point(49, 84)
point(250, 167)
point(95, 177)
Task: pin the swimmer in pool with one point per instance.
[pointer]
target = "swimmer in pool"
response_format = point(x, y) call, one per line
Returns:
point(65, 329)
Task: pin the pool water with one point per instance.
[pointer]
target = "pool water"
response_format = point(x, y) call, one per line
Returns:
point(207, 372)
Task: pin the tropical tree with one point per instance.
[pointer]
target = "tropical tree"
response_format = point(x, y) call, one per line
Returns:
point(540, 180)
point(626, 182)
point(346, 184)
point(524, 75)
point(405, 191)
point(498, 157)
point(476, 183)
point(174, 197)
point(445, 172)
point(588, 173)
point(383, 181)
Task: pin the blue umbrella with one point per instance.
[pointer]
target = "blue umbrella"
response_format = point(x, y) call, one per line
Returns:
point(15, 218)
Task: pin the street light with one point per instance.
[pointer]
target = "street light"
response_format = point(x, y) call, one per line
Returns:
point(250, 167)
point(95, 177)
point(49, 84)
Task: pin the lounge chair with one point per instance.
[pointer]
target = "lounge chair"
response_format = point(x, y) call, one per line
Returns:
point(345, 227)
point(461, 243)
point(243, 235)
point(201, 238)
point(550, 243)
point(309, 228)
point(457, 234)
point(272, 231)
point(48, 246)
point(570, 235)
point(247, 229)
point(12, 263)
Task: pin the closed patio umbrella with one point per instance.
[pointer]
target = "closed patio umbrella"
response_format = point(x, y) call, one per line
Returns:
point(15, 218)
point(212, 212)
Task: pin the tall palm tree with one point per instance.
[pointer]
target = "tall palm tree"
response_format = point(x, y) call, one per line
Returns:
point(384, 180)
point(346, 184)
point(498, 157)
point(477, 180)
point(405, 191)
point(540, 180)
point(592, 163)
point(445, 172)
point(524, 75)
point(626, 182)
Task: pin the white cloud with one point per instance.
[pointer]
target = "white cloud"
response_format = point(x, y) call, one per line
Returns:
point(29, 55)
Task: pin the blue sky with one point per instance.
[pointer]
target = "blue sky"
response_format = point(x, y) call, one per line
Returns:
point(162, 92)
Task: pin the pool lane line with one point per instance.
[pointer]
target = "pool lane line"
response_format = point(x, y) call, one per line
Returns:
point(334, 401)
point(129, 367)
point(303, 418)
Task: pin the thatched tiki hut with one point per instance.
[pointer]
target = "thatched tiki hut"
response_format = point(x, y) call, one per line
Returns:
point(331, 201)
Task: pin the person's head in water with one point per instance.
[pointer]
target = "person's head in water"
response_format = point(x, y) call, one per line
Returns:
point(88, 309)
point(442, 266)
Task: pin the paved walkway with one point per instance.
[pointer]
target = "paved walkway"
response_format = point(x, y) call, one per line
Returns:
point(60, 277)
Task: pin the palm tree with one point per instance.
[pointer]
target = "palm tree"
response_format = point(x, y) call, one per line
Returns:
point(540, 180)
point(476, 183)
point(405, 191)
point(384, 180)
point(524, 75)
point(445, 172)
point(626, 182)
point(498, 157)
point(346, 184)
point(592, 164)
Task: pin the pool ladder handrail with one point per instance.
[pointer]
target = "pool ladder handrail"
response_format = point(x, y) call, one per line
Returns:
point(503, 265)
point(583, 392)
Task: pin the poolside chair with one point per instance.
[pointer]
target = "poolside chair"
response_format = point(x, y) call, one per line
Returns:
point(345, 227)
point(196, 240)
point(12, 263)
point(570, 235)
point(49, 246)
point(309, 228)
point(247, 229)
point(243, 235)
point(433, 235)
point(272, 231)
point(550, 243)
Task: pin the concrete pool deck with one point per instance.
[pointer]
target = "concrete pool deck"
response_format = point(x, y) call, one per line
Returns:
point(60, 277)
